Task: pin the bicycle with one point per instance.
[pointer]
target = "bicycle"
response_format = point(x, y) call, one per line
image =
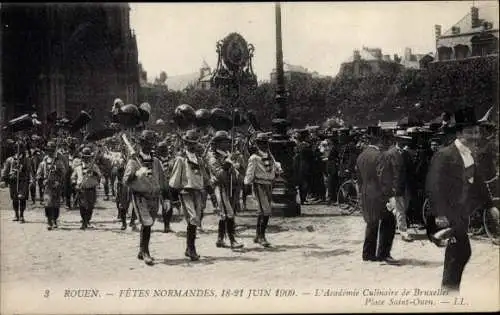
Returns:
point(348, 197)
point(481, 220)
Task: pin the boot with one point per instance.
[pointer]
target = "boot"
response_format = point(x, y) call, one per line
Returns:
point(83, 214)
point(258, 229)
point(22, 207)
point(231, 232)
point(263, 240)
point(55, 217)
point(89, 218)
point(167, 216)
point(146, 234)
point(190, 240)
point(48, 214)
point(15, 206)
point(222, 232)
point(123, 218)
point(140, 255)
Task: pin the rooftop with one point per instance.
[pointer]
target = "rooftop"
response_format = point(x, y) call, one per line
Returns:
point(486, 14)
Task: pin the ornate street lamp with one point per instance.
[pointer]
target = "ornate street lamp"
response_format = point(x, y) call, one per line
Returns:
point(284, 190)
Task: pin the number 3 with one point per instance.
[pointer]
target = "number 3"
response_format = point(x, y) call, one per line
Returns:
point(47, 293)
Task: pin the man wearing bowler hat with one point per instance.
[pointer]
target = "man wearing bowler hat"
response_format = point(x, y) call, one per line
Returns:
point(189, 179)
point(223, 170)
point(456, 188)
point(380, 222)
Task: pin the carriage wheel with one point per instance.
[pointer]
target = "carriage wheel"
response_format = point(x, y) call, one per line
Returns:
point(476, 226)
point(491, 221)
point(426, 208)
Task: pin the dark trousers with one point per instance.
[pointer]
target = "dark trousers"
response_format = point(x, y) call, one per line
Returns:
point(303, 190)
point(40, 188)
point(86, 214)
point(68, 189)
point(33, 191)
point(384, 230)
point(333, 186)
point(455, 258)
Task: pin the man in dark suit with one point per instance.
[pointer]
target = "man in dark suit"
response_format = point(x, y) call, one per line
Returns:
point(380, 223)
point(456, 189)
point(397, 168)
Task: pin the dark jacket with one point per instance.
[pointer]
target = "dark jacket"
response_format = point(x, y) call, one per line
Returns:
point(369, 167)
point(396, 170)
point(450, 193)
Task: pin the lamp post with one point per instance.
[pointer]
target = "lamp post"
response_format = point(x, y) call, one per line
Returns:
point(282, 148)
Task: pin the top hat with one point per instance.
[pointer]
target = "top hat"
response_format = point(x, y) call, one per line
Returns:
point(466, 117)
point(221, 135)
point(86, 152)
point(191, 136)
point(374, 132)
point(402, 135)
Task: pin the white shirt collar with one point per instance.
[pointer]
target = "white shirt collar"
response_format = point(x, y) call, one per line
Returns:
point(374, 146)
point(465, 153)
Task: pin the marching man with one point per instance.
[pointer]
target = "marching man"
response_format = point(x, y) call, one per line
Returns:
point(18, 176)
point(86, 176)
point(189, 178)
point(223, 170)
point(144, 176)
point(51, 171)
point(262, 169)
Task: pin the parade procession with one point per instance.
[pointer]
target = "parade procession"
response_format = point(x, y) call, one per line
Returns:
point(385, 176)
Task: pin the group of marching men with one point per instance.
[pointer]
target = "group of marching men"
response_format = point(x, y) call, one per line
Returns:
point(187, 174)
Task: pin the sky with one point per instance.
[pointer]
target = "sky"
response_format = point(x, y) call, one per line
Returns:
point(177, 37)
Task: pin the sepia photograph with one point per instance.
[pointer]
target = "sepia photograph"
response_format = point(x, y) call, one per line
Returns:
point(249, 157)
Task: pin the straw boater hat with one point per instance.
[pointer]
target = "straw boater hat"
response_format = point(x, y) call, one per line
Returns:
point(191, 136)
point(221, 136)
point(86, 152)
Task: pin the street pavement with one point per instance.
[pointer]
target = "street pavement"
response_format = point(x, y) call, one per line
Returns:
point(319, 250)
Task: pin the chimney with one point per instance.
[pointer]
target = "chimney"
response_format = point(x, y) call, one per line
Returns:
point(357, 55)
point(474, 16)
point(437, 31)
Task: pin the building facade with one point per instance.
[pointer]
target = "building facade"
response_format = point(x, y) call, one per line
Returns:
point(369, 61)
point(200, 79)
point(476, 34)
point(67, 58)
point(292, 71)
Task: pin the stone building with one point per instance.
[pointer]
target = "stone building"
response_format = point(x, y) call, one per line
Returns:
point(476, 34)
point(369, 61)
point(200, 79)
point(291, 71)
point(67, 57)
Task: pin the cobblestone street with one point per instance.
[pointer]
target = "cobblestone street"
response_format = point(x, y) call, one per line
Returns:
point(319, 250)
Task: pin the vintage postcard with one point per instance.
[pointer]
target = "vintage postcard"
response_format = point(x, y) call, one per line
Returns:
point(296, 157)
